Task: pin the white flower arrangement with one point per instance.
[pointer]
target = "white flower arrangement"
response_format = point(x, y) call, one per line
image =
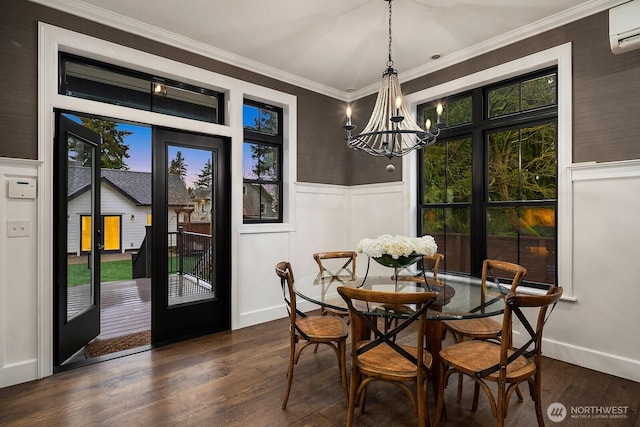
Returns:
point(397, 246)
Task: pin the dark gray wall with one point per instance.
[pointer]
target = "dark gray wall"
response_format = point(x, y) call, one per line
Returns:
point(606, 90)
point(606, 87)
point(321, 154)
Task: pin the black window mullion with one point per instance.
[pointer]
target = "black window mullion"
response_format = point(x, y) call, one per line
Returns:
point(252, 135)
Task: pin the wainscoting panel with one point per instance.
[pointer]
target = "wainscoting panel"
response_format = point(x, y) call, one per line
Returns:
point(18, 276)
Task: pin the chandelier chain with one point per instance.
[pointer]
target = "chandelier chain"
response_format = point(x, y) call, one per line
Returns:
point(390, 61)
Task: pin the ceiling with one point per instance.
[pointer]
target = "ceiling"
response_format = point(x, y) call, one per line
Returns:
point(336, 47)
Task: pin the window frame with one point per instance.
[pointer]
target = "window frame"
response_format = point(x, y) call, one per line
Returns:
point(559, 55)
point(271, 140)
point(151, 79)
point(478, 130)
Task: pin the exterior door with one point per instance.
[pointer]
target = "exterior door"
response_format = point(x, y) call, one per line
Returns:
point(77, 219)
point(111, 231)
point(191, 222)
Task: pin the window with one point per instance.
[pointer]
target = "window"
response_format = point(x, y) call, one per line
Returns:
point(262, 163)
point(97, 81)
point(488, 187)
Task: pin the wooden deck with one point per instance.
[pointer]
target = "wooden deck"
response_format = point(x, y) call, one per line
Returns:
point(125, 308)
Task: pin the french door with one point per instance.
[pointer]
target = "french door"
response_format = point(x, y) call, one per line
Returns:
point(76, 284)
point(191, 279)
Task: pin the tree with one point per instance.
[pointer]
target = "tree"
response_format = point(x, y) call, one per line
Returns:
point(113, 150)
point(177, 166)
point(266, 162)
point(205, 175)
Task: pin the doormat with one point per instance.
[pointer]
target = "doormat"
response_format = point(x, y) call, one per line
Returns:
point(112, 345)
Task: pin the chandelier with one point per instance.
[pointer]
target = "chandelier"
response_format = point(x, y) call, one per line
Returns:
point(391, 132)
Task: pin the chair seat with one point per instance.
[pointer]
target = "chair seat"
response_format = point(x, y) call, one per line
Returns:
point(320, 328)
point(480, 327)
point(385, 360)
point(474, 356)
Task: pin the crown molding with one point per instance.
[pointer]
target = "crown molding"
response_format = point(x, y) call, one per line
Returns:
point(103, 16)
point(581, 11)
point(124, 23)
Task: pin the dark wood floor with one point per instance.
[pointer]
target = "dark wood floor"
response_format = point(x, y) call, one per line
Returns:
point(237, 379)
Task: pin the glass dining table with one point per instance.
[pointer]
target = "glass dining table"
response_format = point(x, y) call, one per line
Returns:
point(459, 297)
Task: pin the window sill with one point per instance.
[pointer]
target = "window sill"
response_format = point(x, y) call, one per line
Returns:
point(265, 228)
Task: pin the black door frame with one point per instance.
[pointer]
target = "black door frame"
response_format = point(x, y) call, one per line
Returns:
point(69, 336)
point(174, 323)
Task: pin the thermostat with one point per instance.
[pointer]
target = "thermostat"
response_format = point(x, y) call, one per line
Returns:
point(22, 188)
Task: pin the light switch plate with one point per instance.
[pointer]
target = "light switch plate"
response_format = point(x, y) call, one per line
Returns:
point(18, 228)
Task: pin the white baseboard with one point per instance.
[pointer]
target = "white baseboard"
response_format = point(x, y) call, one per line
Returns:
point(271, 313)
point(593, 359)
point(18, 372)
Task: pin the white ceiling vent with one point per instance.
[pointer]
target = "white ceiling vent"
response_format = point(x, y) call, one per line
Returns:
point(624, 27)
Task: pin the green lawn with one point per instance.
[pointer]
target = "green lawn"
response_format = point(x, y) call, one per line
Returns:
point(78, 274)
point(112, 271)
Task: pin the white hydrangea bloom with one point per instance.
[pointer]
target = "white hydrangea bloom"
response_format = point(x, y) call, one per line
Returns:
point(397, 246)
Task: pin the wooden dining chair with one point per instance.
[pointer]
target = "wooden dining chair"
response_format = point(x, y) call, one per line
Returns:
point(378, 357)
point(485, 327)
point(336, 263)
point(430, 263)
point(305, 330)
point(502, 362)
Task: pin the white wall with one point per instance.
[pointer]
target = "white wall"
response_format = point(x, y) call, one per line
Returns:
point(600, 329)
point(18, 280)
point(328, 217)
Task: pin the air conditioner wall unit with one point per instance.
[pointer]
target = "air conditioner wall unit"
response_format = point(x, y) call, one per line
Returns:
point(624, 27)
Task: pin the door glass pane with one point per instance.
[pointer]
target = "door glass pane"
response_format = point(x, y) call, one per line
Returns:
point(79, 227)
point(86, 231)
point(111, 232)
point(191, 216)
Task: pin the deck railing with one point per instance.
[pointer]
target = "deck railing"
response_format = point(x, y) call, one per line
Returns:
point(191, 254)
